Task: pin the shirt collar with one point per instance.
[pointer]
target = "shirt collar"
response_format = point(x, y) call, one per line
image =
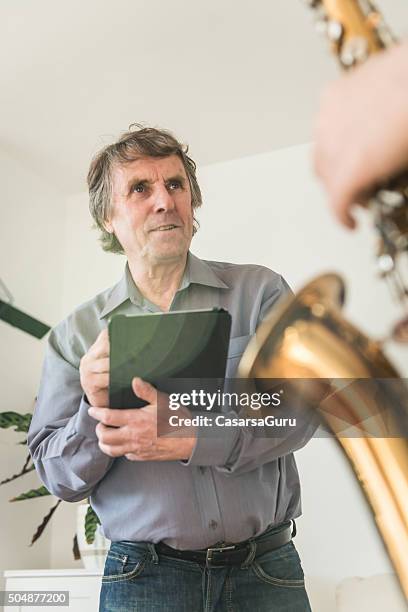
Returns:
point(200, 272)
point(197, 271)
point(118, 294)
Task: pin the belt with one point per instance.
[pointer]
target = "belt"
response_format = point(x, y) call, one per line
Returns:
point(230, 554)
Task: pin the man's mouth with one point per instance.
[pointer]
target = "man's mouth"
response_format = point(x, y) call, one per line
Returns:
point(164, 228)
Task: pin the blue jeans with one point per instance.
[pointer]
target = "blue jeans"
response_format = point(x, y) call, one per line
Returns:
point(137, 579)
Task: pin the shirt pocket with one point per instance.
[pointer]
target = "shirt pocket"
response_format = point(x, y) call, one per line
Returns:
point(236, 348)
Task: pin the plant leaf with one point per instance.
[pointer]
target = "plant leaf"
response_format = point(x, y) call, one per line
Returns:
point(45, 522)
point(20, 422)
point(75, 549)
point(40, 492)
point(27, 461)
point(23, 471)
point(91, 523)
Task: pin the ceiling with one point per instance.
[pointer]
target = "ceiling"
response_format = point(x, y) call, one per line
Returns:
point(230, 78)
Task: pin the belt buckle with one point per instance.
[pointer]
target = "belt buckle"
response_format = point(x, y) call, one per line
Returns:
point(210, 551)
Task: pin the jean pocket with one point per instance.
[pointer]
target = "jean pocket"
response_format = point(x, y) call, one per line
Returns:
point(280, 567)
point(120, 567)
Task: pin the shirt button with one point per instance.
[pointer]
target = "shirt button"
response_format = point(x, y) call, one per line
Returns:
point(202, 469)
point(213, 524)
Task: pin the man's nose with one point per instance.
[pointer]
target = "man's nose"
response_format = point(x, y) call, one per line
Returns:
point(163, 200)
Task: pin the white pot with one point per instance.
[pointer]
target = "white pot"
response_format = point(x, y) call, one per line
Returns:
point(92, 555)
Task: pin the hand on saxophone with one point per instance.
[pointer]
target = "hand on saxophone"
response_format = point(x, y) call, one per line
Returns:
point(361, 133)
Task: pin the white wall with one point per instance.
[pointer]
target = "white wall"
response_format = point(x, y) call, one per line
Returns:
point(265, 209)
point(31, 221)
point(269, 209)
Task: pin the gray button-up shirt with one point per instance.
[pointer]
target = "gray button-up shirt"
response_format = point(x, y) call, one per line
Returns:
point(230, 489)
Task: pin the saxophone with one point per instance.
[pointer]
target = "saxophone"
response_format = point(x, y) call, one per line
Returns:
point(337, 370)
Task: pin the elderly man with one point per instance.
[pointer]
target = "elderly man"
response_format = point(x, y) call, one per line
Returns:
point(196, 523)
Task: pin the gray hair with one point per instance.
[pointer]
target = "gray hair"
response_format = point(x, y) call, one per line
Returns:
point(138, 141)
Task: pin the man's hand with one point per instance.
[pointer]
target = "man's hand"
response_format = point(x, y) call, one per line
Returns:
point(362, 130)
point(94, 371)
point(133, 432)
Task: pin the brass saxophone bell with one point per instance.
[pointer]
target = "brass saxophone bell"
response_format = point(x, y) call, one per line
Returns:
point(358, 393)
point(308, 337)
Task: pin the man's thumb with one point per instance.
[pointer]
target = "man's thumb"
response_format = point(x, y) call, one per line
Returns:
point(144, 390)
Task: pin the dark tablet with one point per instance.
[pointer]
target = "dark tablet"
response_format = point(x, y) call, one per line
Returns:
point(175, 351)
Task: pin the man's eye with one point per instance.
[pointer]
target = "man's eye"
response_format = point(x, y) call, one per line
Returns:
point(139, 188)
point(174, 185)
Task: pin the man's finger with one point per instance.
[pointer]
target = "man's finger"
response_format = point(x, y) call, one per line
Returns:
point(100, 366)
point(113, 436)
point(342, 210)
point(110, 416)
point(144, 390)
point(114, 451)
point(103, 335)
point(132, 457)
point(100, 382)
point(100, 347)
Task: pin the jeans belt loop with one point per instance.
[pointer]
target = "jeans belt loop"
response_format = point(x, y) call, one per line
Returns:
point(251, 555)
point(153, 552)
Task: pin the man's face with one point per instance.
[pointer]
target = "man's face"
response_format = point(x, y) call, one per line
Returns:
point(151, 209)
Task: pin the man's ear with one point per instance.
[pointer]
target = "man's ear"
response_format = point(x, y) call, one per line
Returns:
point(108, 226)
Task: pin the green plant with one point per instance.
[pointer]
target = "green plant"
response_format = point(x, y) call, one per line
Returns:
point(20, 423)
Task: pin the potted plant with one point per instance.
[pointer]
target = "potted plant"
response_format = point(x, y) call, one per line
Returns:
point(20, 423)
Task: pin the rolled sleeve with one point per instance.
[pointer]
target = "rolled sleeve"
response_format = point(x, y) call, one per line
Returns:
point(85, 424)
